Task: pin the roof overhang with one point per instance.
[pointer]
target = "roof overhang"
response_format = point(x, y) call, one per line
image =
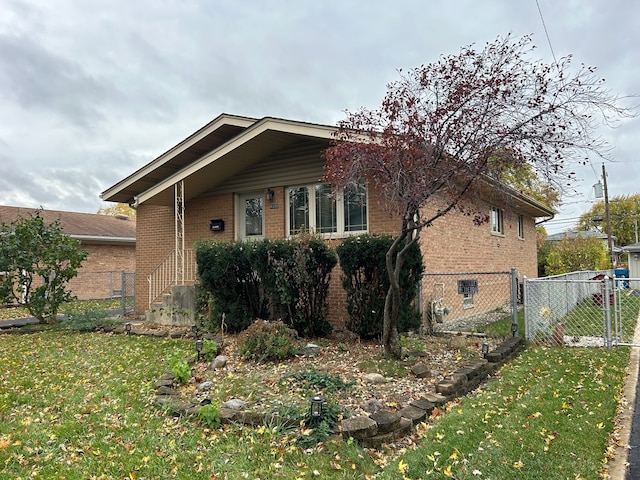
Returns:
point(155, 182)
point(209, 137)
point(102, 240)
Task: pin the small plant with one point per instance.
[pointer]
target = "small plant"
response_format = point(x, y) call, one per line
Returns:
point(179, 368)
point(412, 345)
point(209, 349)
point(315, 380)
point(269, 341)
point(209, 415)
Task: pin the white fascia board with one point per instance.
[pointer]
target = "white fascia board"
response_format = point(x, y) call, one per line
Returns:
point(268, 123)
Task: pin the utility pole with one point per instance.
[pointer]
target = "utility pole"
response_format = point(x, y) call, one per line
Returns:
point(608, 217)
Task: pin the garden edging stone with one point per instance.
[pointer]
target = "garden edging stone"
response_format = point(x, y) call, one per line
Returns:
point(377, 428)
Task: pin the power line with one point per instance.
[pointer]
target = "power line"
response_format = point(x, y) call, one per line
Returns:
point(544, 25)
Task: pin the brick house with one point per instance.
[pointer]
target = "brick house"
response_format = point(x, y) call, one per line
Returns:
point(110, 241)
point(240, 178)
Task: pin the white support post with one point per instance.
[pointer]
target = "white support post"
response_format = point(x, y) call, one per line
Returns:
point(179, 227)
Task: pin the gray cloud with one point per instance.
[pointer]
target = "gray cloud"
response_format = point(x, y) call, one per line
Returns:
point(90, 91)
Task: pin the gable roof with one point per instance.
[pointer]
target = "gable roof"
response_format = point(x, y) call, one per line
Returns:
point(228, 145)
point(86, 227)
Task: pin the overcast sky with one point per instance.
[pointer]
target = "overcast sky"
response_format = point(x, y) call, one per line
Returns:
point(92, 90)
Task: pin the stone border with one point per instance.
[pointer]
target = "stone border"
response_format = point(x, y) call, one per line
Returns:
point(377, 428)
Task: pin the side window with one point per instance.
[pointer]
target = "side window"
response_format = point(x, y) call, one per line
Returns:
point(497, 221)
point(251, 216)
point(521, 226)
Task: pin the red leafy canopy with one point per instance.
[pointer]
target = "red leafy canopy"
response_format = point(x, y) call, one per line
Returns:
point(445, 125)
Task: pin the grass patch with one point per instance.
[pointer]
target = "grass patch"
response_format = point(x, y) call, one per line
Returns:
point(548, 415)
point(502, 328)
point(78, 306)
point(79, 405)
point(587, 318)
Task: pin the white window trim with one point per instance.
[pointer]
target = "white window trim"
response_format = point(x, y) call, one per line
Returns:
point(240, 212)
point(340, 231)
point(520, 227)
point(500, 230)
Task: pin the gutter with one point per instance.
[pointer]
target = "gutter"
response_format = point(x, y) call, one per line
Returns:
point(102, 239)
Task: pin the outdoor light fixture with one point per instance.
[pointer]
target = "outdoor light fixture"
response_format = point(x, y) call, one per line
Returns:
point(514, 329)
point(199, 348)
point(316, 406)
point(270, 194)
point(485, 349)
point(194, 329)
point(127, 328)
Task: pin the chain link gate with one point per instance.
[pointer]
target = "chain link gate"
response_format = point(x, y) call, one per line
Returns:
point(591, 308)
point(461, 301)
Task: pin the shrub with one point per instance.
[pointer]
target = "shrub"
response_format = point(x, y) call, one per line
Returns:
point(227, 271)
point(296, 275)
point(366, 282)
point(269, 341)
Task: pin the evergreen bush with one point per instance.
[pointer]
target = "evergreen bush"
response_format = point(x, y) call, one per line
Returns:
point(227, 271)
point(296, 274)
point(366, 282)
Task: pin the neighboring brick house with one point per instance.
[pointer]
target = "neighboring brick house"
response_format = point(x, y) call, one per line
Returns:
point(241, 178)
point(110, 241)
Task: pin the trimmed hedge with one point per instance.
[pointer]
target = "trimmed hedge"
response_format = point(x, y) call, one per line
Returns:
point(365, 279)
point(296, 275)
point(290, 277)
point(227, 271)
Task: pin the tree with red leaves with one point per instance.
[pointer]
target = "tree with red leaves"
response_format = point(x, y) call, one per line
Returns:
point(447, 128)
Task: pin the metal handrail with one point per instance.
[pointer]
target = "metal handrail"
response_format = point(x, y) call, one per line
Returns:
point(164, 276)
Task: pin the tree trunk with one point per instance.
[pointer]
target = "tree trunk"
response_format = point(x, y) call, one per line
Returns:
point(394, 260)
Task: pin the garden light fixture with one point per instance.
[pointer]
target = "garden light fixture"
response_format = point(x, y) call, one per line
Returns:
point(194, 330)
point(485, 349)
point(514, 329)
point(127, 328)
point(316, 406)
point(199, 348)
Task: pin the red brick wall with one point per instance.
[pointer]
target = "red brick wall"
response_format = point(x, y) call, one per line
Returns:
point(101, 271)
point(155, 239)
point(453, 244)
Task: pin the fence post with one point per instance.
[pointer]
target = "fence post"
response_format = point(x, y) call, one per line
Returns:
point(123, 293)
point(606, 302)
point(514, 301)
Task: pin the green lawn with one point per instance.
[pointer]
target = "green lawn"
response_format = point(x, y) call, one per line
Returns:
point(76, 405)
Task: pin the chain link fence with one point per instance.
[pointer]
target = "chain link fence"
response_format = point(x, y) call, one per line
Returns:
point(590, 308)
point(463, 301)
point(108, 285)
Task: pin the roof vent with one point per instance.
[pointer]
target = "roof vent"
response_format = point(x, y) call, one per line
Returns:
point(121, 216)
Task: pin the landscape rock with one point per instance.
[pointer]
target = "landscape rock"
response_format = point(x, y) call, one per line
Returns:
point(204, 386)
point(310, 350)
point(374, 378)
point(373, 405)
point(234, 404)
point(358, 427)
point(219, 362)
point(387, 421)
point(421, 370)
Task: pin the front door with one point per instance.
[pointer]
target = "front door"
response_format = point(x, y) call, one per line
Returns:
point(251, 216)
